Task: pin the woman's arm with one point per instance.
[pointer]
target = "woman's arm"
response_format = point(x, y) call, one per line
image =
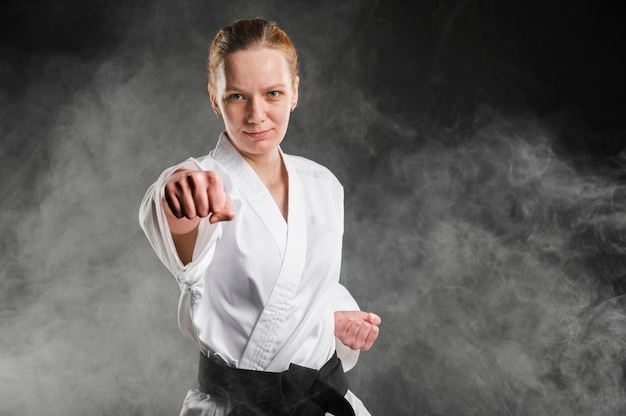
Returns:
point(189, 196)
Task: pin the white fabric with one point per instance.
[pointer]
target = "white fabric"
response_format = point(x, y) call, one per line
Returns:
point(260, 291)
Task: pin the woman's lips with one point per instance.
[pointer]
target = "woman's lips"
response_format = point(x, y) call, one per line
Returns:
point(257, 134)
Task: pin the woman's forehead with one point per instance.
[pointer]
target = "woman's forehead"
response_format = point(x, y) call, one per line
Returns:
point(256, 55)
point(250, 64)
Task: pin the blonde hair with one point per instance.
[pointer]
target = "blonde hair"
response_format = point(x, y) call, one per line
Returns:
point(245, 34)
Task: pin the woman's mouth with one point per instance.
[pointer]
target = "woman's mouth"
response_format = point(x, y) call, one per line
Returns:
point(257, 134)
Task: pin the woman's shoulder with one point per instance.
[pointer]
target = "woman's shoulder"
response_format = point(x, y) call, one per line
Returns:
point(309, 168)
point(206, 160)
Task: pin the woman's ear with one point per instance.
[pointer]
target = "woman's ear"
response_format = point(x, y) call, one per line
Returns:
point(294, 95)
point(216, 108)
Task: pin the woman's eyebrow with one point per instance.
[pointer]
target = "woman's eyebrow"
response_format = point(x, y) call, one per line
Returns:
point(268, 88)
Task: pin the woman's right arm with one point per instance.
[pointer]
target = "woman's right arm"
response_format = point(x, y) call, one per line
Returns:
point(189, 196)
point(173, 236)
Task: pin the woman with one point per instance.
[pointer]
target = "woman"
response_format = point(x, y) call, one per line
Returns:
point(253, 237)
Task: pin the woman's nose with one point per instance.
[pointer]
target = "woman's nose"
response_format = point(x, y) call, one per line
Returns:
point(255, 111)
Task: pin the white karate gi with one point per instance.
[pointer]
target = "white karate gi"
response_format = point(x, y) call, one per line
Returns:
point(260, 292)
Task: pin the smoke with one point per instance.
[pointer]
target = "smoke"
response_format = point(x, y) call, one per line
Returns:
point(495, 257)
point(492, 261)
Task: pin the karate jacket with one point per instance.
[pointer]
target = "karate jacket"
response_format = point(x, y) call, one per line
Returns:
point(260, 291)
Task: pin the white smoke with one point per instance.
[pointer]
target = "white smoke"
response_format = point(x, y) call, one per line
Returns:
point(493, 260)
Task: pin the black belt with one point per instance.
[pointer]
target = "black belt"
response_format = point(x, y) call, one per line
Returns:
point(300, 391)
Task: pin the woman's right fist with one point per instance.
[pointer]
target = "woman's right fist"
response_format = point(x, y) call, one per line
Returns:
point(198, 194)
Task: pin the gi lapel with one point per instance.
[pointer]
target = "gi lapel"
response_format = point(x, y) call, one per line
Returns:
point(252, 189)
point(266, 336)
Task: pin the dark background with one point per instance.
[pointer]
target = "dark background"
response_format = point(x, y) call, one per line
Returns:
point(481, 145)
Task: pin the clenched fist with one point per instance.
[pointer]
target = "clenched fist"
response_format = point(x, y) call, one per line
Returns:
point(357, 329)
point(197, 194)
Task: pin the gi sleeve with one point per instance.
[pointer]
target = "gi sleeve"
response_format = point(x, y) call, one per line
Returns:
point(343, 301)
point(153, 221)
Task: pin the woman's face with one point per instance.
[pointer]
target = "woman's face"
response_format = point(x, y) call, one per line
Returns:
point(255, 93)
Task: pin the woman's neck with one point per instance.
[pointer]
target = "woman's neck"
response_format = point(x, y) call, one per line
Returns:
point(269, 167)
point(273, 174)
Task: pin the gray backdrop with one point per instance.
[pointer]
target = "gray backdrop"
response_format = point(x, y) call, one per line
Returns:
point(481, 149)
